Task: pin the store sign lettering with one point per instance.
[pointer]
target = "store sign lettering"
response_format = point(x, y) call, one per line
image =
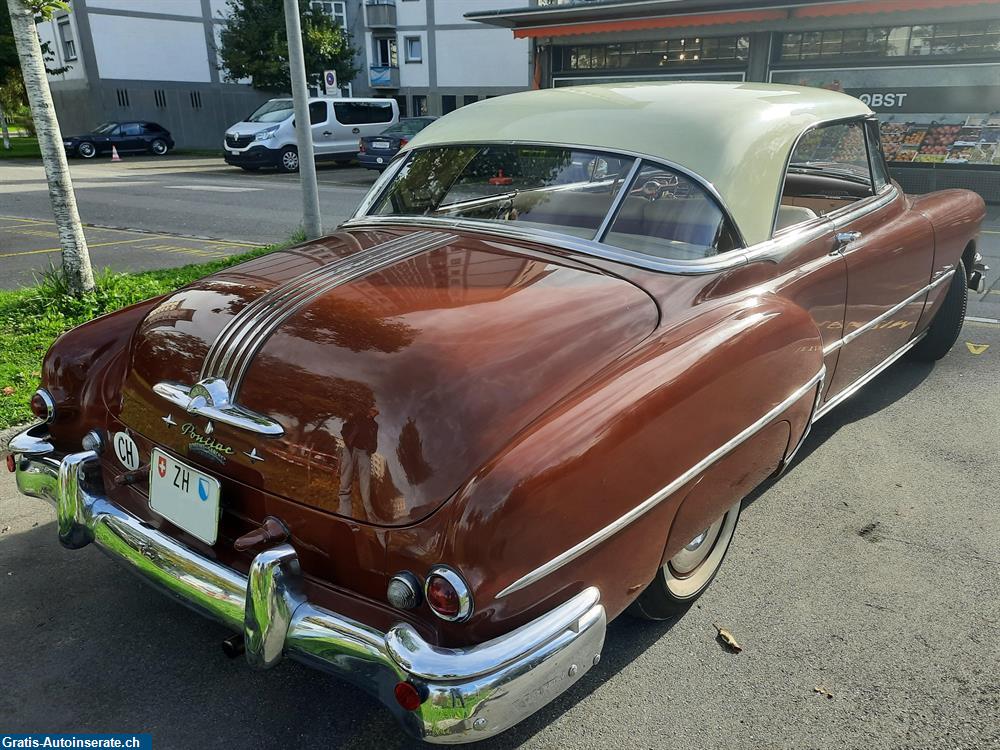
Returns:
point(884, 101)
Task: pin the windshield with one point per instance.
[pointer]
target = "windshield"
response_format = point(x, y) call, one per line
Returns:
point(275, 110)
point(105, 128)
point(408, 128)
point(663, 213)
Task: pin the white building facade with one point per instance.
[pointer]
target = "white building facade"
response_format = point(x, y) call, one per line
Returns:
point(426, 55)
point(157, 60)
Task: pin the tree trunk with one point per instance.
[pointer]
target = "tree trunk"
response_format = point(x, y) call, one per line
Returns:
point(75, 255)
point(4, 129)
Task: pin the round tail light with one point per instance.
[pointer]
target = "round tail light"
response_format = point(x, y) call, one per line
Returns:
point(11, 463)
point(42, 405)
point(447, 594)
point(403, 591)
point(407, 696)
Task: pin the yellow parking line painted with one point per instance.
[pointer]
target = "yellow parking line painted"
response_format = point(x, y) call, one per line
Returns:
point(89, 245)
point(18, 224)
point(151, 235)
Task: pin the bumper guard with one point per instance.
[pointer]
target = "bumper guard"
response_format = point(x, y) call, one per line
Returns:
point(472, 693)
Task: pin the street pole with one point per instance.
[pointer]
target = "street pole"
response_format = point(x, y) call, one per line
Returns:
point(311, 222)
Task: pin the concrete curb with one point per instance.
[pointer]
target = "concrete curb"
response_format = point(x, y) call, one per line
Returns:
point(7, 434)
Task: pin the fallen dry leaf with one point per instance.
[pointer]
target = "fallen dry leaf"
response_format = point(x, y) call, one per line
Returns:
point(726, 637)
point(8, 390)
point(823, 691)
point(5, 529)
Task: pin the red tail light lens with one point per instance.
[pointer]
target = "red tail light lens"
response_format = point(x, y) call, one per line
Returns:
point(407, 696)
point(361, 147)
point(403, 142)
point(42, 405)
point(11, 463)
point(447, 594)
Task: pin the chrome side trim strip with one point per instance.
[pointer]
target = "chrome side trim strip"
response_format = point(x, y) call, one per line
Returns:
point(867, 377)
point(647, 505)
point(832, 347)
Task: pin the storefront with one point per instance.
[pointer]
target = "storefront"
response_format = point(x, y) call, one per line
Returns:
point(929, 68)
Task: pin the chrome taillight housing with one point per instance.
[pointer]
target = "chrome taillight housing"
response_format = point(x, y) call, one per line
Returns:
point(448, 594)
point(42, 405)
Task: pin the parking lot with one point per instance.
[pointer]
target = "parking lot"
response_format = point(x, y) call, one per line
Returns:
point(864, 585)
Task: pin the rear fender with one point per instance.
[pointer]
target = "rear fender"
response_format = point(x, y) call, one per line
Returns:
point(628, 436)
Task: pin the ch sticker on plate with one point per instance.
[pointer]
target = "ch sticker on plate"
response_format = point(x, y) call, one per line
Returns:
point(186, 497)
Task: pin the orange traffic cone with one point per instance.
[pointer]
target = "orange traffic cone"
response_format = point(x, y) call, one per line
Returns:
point(114, 154)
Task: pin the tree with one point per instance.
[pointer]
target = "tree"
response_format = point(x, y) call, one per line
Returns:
point(254, 44)
point(75, 255)
point(12, 96)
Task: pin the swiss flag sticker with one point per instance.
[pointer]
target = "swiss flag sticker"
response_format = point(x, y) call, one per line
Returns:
point(161, 466)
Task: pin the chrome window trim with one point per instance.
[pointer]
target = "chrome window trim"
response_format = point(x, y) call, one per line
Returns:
point(616, 204)
point(834, 346)
point(651, 502)
point(730, 259)
point(795, 145)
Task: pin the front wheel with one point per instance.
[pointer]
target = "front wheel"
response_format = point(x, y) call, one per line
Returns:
point(289, 161)
point(159, 147)
point(687, 574)
point(86, 150)
point(948, 321)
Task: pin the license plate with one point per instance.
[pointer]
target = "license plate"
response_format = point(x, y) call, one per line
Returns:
point(380, 144)
point(186, 497)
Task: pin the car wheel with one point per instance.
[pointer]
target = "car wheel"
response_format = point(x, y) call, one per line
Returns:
point(289, 161)
point(687, 574)
point(947, 324)
point(159, 147)
point(86, 150)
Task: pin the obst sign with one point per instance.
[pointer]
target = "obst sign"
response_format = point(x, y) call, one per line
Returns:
point(877, 100)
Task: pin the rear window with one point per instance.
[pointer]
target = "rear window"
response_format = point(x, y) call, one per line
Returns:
point(362, 113)
point(587, 194)
point(408, 127)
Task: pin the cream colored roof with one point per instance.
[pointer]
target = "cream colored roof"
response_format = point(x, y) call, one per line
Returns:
point(737, 136)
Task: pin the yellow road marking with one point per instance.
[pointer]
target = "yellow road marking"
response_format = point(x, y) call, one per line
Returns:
point(976, 348)
point(59, 249)
point(152, 235)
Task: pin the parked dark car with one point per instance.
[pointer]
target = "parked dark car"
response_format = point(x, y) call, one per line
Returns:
point(124, 136)
point(376, 151)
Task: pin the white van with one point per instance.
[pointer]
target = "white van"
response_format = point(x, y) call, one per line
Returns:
point(267, 137)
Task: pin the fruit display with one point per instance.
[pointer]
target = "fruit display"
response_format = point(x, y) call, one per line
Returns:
point(975, 140)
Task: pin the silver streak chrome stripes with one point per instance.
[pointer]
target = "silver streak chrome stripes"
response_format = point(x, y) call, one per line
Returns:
point(233, 351)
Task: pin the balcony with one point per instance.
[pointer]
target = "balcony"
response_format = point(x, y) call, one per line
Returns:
point(380, 14)
point(383, 77)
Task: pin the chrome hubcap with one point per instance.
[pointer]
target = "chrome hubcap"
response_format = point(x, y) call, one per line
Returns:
point(86, 150)
point(291, 161)
point(159, 147)
point(690, 570)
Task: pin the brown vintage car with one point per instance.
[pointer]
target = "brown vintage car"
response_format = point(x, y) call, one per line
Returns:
point(524, 389)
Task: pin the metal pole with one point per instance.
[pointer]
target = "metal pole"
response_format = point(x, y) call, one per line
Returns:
point(311, 222)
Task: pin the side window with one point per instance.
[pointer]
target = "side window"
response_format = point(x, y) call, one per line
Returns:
point(668, 215)
point(363, 113)
point(131, 128)
point(880, 170)
point(317, 113)
point(828, 170)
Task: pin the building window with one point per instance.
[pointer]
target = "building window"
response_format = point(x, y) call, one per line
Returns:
point(656, 54)
point(68, 43)
point(196, 100)
point(449, 103)
point(974, 39)
point(414, 49)
point(385, 52)
point(160, 97)
point(122, 97)
point(470, 99)
point(419, 105)
point(333, 8)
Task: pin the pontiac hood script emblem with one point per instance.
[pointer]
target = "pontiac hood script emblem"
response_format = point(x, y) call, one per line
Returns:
point(205, 444)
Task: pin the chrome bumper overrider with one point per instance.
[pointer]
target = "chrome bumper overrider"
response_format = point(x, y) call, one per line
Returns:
point(472, 693)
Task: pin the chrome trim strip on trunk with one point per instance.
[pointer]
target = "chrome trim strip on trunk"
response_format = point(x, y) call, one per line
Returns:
point(832, 347)
point(647, 505)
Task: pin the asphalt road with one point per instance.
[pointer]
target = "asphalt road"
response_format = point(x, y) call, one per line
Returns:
point(182, 196)
point(870, 570)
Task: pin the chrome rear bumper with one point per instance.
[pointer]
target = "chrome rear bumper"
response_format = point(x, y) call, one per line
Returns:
point(471, 693)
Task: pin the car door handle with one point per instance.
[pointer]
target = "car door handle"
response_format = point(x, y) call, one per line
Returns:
point(844, 239)
point(327, 132)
